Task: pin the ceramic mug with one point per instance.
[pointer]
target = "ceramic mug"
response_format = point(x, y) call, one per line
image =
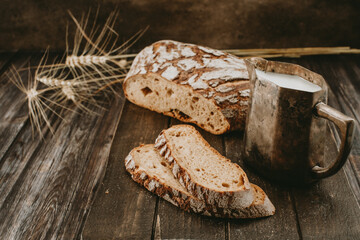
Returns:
point(286, 125)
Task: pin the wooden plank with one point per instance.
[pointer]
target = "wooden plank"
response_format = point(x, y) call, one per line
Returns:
point(123, 209)
point(283, 225)
point(16, 160)
point(328, 209)
point(52, 194)
point(53, 188)
point(13, 110)
point(44, 194)
point(93, 172)
point(173, 223)
point(14, 118)
point(352, 174)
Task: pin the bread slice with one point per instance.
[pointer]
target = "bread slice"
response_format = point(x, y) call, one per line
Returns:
point(203, 171)
point(191, 83)
point(150, 170)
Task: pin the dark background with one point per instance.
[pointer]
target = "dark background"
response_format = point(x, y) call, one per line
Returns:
point(36, 24)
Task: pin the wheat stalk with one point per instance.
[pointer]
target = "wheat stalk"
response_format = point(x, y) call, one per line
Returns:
point(100, 54)
point(38, 104)
point(93, 65)
point(291, 52)
point(78, 88)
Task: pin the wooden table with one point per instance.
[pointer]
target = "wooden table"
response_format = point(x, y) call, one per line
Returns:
point(73, 184)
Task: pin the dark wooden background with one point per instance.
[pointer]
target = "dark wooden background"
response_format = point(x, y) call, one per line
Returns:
point(73, 184)
point(36, 24)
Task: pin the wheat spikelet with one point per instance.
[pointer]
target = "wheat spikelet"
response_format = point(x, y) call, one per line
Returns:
point(99, 53)
point(67, 87)
point(93, 66)
point(38, 104)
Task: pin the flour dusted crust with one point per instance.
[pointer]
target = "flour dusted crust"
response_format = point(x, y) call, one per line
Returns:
point(260, 207)
point(239, 199)
point(192, 83)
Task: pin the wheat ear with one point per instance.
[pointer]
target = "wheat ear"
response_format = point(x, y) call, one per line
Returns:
point(38, 104)
point(100, 53)
point(78, 89)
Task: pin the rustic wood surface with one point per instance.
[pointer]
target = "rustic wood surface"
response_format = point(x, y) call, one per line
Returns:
point(48, 187)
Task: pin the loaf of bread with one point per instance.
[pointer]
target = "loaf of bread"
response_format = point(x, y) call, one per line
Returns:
point(202, 170)
point(150, 170)
point(191, 83)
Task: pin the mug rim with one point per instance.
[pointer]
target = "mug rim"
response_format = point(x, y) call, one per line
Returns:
point(290, 69)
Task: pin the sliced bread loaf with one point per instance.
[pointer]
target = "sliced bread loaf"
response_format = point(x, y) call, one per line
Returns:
point(150, 170)
point(203, 171)
point(191, 83)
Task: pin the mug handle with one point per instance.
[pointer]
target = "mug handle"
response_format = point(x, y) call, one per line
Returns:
point(346, 126)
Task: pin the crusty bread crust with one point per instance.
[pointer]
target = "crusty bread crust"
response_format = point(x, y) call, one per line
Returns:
point(155, 185)
point(224, 199)
point(261, 207)
point(219, 77)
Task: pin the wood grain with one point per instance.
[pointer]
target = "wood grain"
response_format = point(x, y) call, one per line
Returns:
point(328, 209)
point(123, 209)
point(44, 196)
point(352, 174)
point(15, 149)
point(47, 186)
point(13, 120)
point(93, 172)
point(13, 111)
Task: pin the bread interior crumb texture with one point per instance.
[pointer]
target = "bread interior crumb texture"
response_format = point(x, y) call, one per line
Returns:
point(203, 163)
point(176, 100)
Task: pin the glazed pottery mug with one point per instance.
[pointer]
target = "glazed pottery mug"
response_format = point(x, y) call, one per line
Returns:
point(286, 123)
